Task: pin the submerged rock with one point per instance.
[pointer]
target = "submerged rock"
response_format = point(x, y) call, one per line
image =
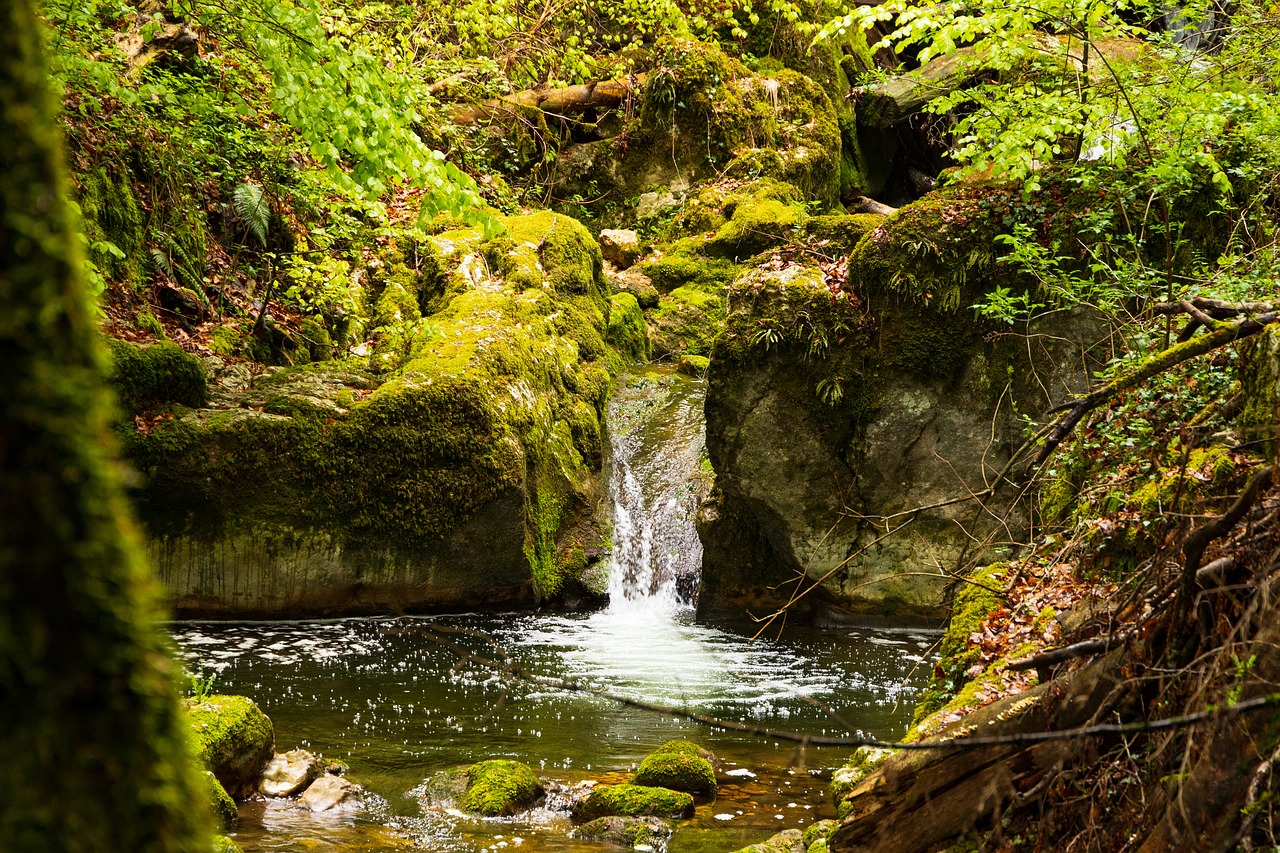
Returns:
point(626, 832)
point(233, 739)
point(330, 793)
point(787, 841)
point(633, 801)
point(288, 773)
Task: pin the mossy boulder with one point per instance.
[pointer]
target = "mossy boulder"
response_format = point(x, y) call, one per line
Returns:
point(233, 739)
point(693, 365)
point(491, 788)
point(224, 808)
point(817, 832)
point(498, 788)
point(632, 832)
point(679, 771)
point(844, 779)
point(151, 377)
point(834, 399)
point(458, 468)
point(633, 801)
point(687, 321)
point(628, 333)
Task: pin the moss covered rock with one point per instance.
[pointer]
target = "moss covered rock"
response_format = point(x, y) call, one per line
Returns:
point(233, 739)
point(224, 808)
point(461, 472)
point(787, 841)
point(836, 400)
point(497, 788)
point(223, 844)
point(151, 377)
point(677, 770)
point(817, 832)
point(626, 831)
point(633, 801)
point(628, 333)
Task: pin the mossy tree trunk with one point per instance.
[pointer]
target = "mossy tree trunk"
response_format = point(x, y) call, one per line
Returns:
point(94, 755)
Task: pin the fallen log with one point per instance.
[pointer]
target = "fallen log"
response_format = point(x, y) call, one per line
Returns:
point(919, 799)
point(898, 98)
point(566, 101)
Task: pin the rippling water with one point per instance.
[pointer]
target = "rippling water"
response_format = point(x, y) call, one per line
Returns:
point(399, 699)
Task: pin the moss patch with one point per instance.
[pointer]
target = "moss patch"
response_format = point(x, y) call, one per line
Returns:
point(679, 771)
point(499, 788)
point(151, 377)
point(633, 801)
point(628, 332)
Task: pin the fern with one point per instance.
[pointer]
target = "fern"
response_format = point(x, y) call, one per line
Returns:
point(252, 209)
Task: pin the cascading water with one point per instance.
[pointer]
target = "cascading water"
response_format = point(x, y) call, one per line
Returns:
point(658, 436)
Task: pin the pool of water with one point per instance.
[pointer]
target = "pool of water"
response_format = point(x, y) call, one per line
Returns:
point(399, 699)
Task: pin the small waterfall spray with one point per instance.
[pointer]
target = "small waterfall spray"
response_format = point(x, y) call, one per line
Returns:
point(657, 441)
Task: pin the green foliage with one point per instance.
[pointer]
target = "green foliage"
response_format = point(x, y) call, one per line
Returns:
point(253, 210)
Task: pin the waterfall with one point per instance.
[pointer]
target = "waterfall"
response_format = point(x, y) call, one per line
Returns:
point(657, 440)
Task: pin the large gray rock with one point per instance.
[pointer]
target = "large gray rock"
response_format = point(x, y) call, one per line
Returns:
point(288, 773)
point(828, 425)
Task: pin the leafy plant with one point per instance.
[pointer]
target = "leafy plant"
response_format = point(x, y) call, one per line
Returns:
point(252, 209)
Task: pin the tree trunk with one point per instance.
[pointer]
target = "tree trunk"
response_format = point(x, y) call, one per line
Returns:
point(95, 757)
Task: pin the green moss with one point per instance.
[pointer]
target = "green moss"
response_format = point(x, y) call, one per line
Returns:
point(687, 321)
point(148, 378)
point(628, 332)
point(633, 801)
point(678, 771)
point(973, 602)
point(113, 214)
point(314, 343)
point(224, 808)
point(860, 765)
point(569, 255)
point(233, 738)
point(818, 832)
point(499, 788)
point(686, 747)
point(223, 844)
point(625, 832)
point(939, 251)
point(147, 322)
point(693, 365)
point(842, 232)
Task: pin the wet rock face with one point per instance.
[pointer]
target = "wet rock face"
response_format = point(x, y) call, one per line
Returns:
point(827, 422)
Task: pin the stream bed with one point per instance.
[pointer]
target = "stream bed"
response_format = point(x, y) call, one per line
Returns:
point(398, 699)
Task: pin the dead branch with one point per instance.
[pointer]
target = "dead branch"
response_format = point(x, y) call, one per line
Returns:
point(1221, 335)
point(569, 100)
